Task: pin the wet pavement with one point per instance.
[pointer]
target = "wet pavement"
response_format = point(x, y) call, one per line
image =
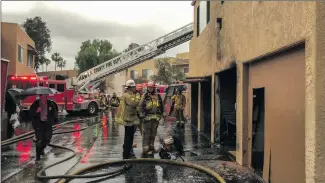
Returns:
point(98, 144)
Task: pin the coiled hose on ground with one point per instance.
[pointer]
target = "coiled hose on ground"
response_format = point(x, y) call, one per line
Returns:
point(77, 174)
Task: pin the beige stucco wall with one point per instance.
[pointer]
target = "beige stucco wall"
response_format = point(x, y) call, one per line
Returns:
point(11, 36)
point(253, 29)
point(150, 64)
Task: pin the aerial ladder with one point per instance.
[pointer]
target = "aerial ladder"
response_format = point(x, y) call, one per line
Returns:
point(94, 76)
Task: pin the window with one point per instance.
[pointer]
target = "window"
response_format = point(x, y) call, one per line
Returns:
point(134, 74)
point(20, 53)
point(146, 73)
point(60, 87)
point(30, 59)
point(51, 85)
point(202, 16)
point(186, 69)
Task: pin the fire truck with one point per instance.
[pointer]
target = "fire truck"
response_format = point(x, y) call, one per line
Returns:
point(64, 98)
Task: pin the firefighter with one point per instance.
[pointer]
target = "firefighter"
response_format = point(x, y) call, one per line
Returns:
point(131, 100)
point(179, 101)
point(151, 111)
point(139, 90)
point(103, 103)
point(114, 103)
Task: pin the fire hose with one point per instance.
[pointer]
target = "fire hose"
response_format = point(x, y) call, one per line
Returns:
point(77, 174)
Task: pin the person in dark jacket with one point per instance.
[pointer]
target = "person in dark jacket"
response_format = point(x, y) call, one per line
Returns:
point(10, 108)
point(44, 114)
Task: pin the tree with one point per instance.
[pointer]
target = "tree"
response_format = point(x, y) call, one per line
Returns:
point(167, 73)
point(37, 30)
point(131, 47)
point(62, 63)
point(93, 53)
point(56, 58)
point(47, 62)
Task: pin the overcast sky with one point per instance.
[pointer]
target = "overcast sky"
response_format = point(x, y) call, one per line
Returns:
point(120, 22)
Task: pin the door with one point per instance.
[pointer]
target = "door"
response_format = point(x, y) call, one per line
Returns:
point(61, 97)
point(258, 124)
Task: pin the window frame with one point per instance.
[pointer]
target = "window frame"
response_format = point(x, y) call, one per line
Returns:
point(30, 59)
point(20, 54)
point(132, 74)
point(58, 85)
point(187, 69)
point(51, 85)
point(207, 17)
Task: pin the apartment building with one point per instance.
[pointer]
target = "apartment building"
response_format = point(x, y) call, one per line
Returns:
point(19, 48)
point(257, 84)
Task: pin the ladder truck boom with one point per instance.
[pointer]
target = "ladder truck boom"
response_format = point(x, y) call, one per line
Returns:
point(135, 56)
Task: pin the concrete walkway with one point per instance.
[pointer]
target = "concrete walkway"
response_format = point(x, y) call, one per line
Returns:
point(100, 144)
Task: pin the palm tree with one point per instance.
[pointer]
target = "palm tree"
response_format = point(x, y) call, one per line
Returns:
point(56, 58)
point(62, 63)
point(47, 62)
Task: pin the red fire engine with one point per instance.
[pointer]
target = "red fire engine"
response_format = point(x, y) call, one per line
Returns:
point(64, 98)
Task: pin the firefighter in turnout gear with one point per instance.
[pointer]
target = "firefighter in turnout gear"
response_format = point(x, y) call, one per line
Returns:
point(130, 118)
point(104, 103)
point(114, 103)
point(179, 101)
point(151, 111)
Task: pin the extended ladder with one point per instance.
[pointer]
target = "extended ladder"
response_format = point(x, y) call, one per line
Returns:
point(135, 56)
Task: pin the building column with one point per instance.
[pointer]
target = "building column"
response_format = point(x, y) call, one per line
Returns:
point(315, 98)
point(200, 109)
point(212, 108)
point(241, 114)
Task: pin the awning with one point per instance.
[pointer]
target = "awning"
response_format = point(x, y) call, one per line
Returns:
point(195, 79)
point(5, 60)
point(32, 49)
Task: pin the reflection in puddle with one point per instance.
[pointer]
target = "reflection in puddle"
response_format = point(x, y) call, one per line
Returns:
point(24, 148)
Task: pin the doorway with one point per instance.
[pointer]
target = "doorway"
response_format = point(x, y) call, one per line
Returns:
point(194, 103)
point(206, 105)
point(226, 92)
point(258, 125)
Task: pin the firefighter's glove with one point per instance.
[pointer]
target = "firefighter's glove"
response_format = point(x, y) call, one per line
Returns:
point(137, 96)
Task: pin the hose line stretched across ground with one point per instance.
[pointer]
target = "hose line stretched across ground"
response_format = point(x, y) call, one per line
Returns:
point(76, 175)
point(210, 172)
point(30, 134)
